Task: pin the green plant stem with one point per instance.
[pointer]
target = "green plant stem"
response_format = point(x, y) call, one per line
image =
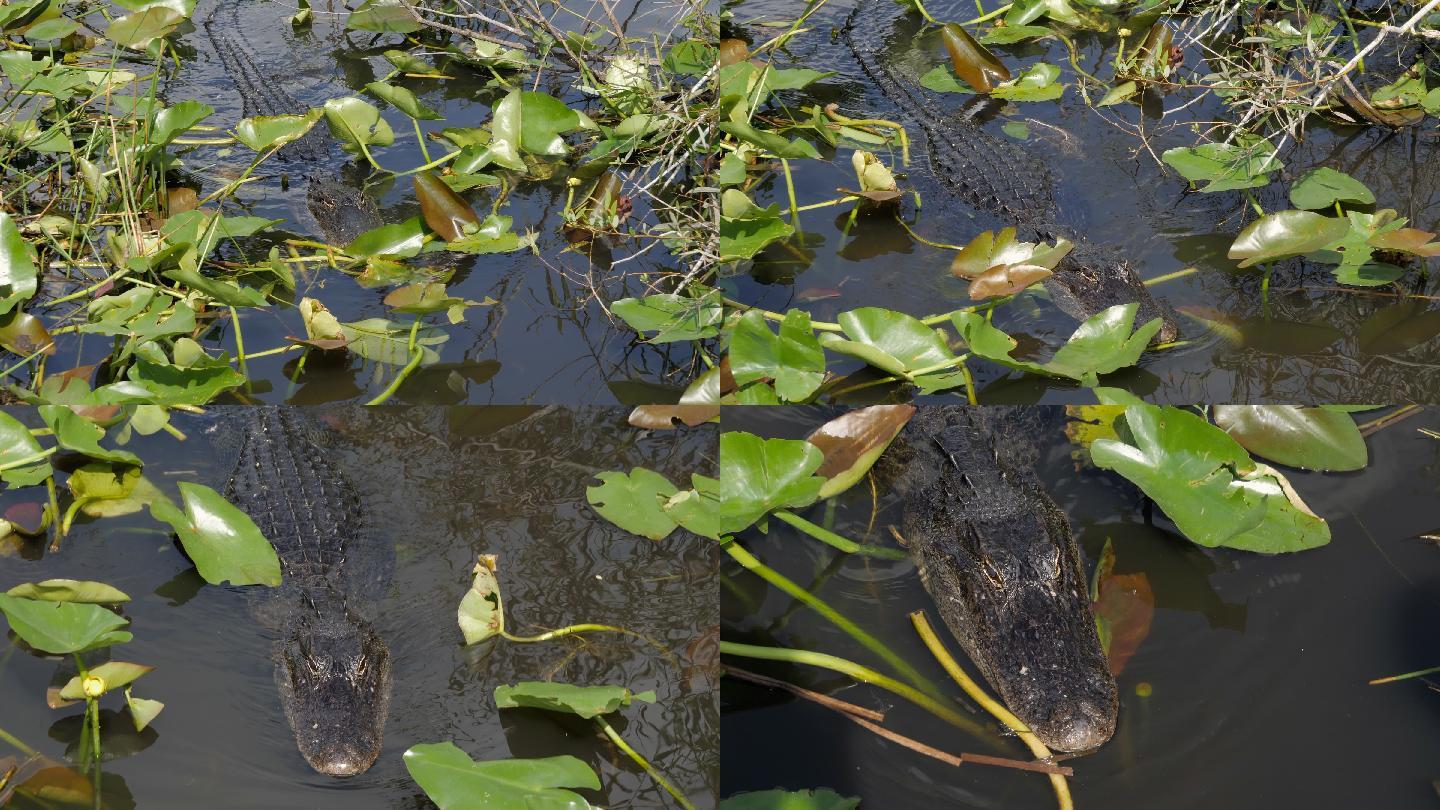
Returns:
point(1004, 715)
point(860, 673)
point(585, 628)
point(417, 354)
point(832, 112)
point(240, 346)
point(643, 763)
point(28, 460)
point(920, 7)
point(790, 191)
point(1406, 676)
point(989, 15)
point(7, 737)
point(1188, 271)
point(420, 139)
point(830, 538)
point(747, 560)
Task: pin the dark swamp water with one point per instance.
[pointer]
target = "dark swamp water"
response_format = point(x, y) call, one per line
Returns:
point(1257, 666)
point(443, 485)
point(1319, 343)
point(545, 339)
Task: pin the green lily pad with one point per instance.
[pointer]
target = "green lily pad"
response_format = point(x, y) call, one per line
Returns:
point(1308, 438)
point(1205, 482)
point(76, 433)
point(263, 132)
point(222, 541)
point(1284, 234)
point(673, 317)
point(1224, 167)
point(454, 781)
point(383, 16)
point(63, 627)
point(746, 228)
point(758, 476)
point(139, 30)
point(852, 442)
point(403, 100)
point(1039, 82)
point(1322, 187)
point(355, 122)
point(793, 358)
point(584, 701)
point(634, 502)
point(70, 590)
point(890, 341)
point(17, 444)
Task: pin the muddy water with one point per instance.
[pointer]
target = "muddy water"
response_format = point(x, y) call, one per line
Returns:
point(1318, 343)
point(1256, 666)
point(442, 486)
point(546, 338)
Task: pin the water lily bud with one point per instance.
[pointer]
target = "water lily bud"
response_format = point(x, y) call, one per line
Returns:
point(1124, 32)
point(93, 686)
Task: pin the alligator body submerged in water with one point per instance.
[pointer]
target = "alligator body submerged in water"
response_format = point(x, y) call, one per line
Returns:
point(997, 556)
point(341, 212)
point(331, 667)
point(997, 176)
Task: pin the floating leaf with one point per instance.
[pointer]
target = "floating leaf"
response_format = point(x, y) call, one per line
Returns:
point(584, 701)
point(673, 317)
point(70, 590)
point(263, 132)
point(1308, 438)
point(356, 123)
point(1039, 82)
point(171, 122)
point(482, 612)
point(1102, 344)
point(403, 100)
point(62, 627)
point(383, 16)
point(24, 334)
point(1284, 234)
point(454, 781)
point(1322, 187)
point(1207, 484)
point(1224, 167)
point(890, 341)
point(398, 239)
point(634, 502)
point(759, 475)
point(853, 441)
point(138, 30)
point(700, 403)
point(74, 432)
point(746, 228)
point(792, 358)
point(222, 541)
point(769, 141)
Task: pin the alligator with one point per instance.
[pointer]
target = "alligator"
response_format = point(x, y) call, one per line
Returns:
point(342, 212)
point(997, 556)
point(998, 176)
point(331, 667)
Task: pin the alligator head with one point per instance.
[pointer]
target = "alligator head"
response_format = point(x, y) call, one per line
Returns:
point(1094, 278)
point(997, 556)
point(333, 672)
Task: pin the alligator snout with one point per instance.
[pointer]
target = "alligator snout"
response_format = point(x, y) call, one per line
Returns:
point(1078, 727)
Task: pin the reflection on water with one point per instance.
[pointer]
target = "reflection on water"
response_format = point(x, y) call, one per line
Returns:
point(442, 486)
point(1111, 190)
point(1255, 668)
